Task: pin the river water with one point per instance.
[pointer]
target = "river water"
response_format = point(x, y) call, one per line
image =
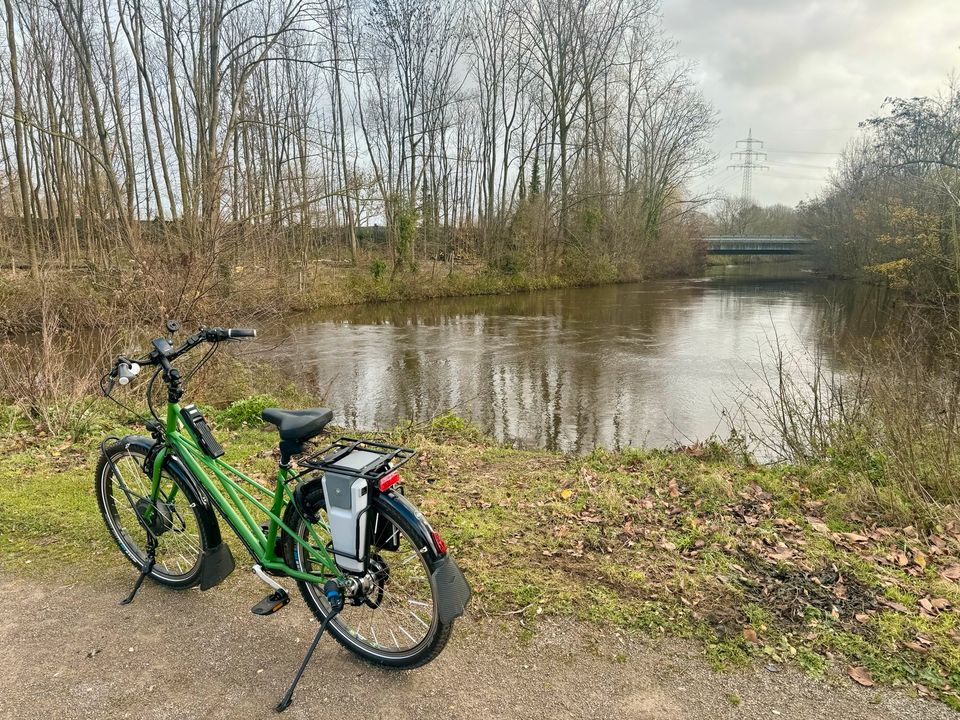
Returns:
point(648, 364)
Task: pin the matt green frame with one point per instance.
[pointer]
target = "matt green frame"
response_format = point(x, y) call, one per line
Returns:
point(231, 498)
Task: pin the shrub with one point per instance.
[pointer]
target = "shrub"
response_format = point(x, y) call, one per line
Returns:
point(378, 268)
point(451, 425)
point(888, 429)
point(246, 411)
point(43, 379)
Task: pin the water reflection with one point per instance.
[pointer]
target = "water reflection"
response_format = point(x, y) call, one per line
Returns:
point(643, 364)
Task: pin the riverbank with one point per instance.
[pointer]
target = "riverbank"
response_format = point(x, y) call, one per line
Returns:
point(140, 297)
point(754, 564)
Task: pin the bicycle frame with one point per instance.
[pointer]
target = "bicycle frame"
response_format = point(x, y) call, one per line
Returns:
point(230, 496)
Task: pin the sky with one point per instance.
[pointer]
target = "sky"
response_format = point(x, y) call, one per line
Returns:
point(802, 74)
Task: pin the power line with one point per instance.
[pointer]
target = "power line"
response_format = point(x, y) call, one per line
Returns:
point(802, 152)
point(788, 176)
point(801, 165)
point(749, 161)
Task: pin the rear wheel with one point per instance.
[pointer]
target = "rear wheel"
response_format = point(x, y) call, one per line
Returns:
point(390, 616)
point(180, 527)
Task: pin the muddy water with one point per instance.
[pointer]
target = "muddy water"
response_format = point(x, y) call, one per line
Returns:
point(649, 364)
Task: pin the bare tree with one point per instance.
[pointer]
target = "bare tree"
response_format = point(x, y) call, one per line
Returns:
point(520, 133)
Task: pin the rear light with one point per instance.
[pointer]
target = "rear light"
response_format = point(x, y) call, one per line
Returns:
point(438, 542)
point(388, 481)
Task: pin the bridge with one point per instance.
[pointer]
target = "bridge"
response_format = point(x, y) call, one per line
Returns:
point(756, 245)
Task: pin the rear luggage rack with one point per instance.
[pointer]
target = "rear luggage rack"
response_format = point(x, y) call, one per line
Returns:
point(367, 459)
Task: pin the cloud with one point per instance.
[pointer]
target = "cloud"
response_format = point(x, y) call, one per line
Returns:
point(802, 74)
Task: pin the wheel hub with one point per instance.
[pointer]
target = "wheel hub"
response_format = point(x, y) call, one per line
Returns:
point(368, 588)
point(156, 517)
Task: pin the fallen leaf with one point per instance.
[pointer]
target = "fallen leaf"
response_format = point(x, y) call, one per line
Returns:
point(920, 560)
point(819, 525)
point(899, 607)
point(750, 635)
point(860, 675)
point(856, 537)
point(566, 493)
point(781, 552)
point(951, 573)
point(862, 617)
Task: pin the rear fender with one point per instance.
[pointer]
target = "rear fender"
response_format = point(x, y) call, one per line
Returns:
point(423, 533)
point(453, 590)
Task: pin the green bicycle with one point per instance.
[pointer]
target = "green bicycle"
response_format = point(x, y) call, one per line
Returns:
point(366, 561)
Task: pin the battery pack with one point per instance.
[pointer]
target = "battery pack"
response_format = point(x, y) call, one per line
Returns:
point(347, 497)
point(194, 420)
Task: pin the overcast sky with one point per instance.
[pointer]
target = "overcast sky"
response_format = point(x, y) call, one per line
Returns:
point(803, 73)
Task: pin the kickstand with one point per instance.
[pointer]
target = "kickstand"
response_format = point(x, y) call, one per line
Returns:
point(147, 569)
point(336, 605)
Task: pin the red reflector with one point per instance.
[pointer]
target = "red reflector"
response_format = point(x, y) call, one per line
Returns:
point(438, 541)
point(388, 481)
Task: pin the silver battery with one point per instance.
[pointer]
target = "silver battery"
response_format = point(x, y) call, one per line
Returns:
point(347, 498)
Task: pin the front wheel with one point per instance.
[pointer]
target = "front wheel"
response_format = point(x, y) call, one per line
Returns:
point(391, 615)
point(181, 529)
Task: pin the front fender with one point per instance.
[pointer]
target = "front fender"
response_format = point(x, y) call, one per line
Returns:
point(185, 478)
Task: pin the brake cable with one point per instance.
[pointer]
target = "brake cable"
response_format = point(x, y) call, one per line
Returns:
point(153, 411)
point(107, 391)
point(107, 387)
point(206, 356)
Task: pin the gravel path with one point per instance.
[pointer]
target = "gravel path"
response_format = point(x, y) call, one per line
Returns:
point(70, 651)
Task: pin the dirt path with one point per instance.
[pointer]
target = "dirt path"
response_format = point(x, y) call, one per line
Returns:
point(69, 651)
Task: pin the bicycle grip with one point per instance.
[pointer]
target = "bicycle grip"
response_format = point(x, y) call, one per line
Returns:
point(218, 334)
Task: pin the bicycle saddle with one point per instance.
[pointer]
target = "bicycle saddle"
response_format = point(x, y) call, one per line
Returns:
point(298, 425)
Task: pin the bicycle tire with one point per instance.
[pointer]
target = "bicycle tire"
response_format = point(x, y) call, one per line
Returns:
point(421, 654)
point(131, 540)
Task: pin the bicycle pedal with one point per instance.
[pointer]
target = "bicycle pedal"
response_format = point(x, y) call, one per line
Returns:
point(271, 603)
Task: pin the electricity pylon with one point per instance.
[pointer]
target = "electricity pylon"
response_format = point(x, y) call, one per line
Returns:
point(750, 160)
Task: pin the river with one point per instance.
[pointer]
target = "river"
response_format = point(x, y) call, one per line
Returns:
point(647, 364)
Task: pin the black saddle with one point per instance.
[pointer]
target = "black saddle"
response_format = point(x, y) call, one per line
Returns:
point(298, 425)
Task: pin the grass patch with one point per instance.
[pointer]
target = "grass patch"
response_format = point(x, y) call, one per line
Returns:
point(679, 544)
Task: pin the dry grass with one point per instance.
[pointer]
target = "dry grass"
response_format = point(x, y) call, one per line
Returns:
point(890, 421)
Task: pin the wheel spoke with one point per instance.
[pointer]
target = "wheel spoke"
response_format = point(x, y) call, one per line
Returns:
point(179, 547)
point(405, 610)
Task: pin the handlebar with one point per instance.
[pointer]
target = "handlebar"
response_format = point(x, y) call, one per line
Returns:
point(218, 334)
point(163, 352)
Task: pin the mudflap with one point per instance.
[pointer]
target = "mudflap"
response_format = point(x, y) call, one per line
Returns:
point(453, 591)
point(216, 564)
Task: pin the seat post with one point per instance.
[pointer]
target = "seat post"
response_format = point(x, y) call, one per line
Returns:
point(289, 448)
